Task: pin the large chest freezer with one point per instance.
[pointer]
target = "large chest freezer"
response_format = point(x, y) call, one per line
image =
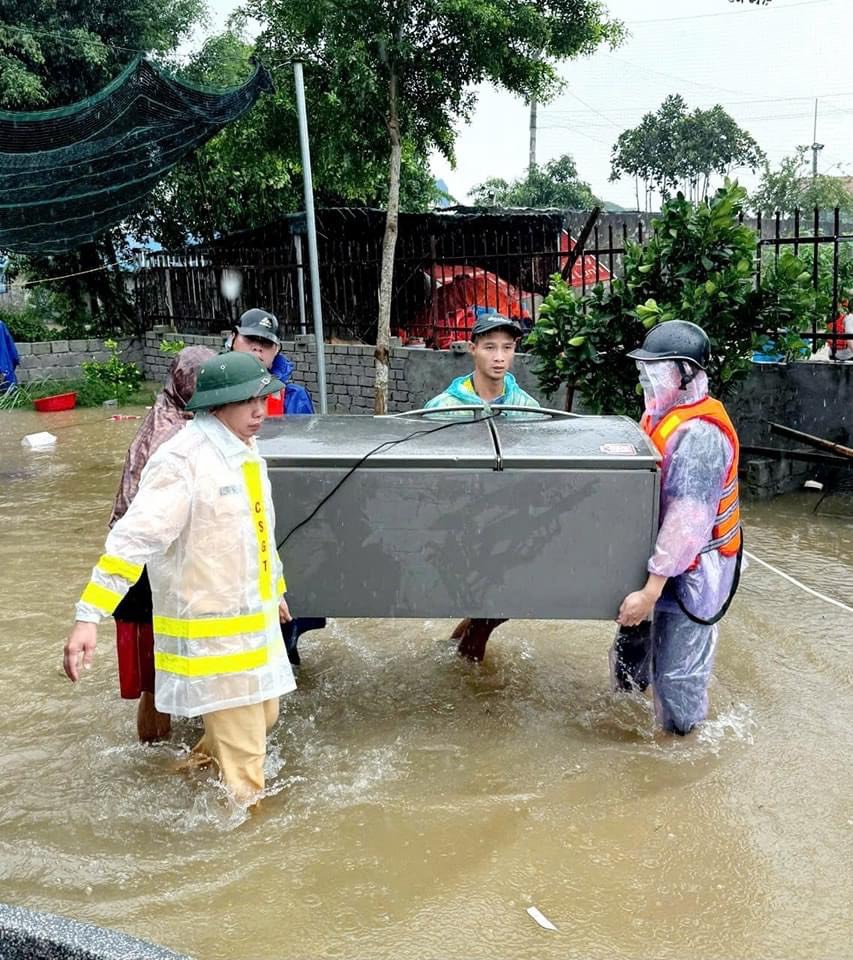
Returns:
point(546, 518)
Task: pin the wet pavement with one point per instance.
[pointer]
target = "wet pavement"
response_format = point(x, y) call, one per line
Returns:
point(418, 804)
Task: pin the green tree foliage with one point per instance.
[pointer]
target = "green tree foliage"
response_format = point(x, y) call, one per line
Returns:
point(698, 265)
point(250, 173)
point(787, 304)
point(673, 149)
point(405, 70)
point(555, 185)
point(791, 186)
point(52, 54)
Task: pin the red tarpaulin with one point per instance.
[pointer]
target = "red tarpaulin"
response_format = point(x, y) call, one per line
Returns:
point(460, 292)
point(587, 270)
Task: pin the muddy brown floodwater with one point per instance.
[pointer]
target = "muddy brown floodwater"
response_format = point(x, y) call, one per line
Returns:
point(419, 804)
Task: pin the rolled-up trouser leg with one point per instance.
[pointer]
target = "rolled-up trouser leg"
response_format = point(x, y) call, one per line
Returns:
point(682, 663)
point(127, 653)
point(237, 740)
point(631, 657)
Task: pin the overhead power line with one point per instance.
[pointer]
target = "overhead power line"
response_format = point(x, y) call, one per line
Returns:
point(726, 103)
point(70, 38)
point(773, 8)
point(573, 129)
point(589, 106)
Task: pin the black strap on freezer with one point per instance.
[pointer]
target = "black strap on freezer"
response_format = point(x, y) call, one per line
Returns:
point(386, 445)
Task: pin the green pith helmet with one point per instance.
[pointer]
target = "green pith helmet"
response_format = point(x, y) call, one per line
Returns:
point(231, 378)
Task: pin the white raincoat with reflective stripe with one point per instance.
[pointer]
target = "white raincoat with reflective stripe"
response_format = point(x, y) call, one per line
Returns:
point(203, 522)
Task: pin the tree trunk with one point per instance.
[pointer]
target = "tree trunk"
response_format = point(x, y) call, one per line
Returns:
point(389, 244)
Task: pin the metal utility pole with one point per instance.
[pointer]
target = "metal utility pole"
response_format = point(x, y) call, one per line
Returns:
point(532, 160)
point(816, 147)
point(312, 235)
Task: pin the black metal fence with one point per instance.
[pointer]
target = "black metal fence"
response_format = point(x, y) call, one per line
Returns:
point(206, 290)
point(824, 242)
point(443, 281)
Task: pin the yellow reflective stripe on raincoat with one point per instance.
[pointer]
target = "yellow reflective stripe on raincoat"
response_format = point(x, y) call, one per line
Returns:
point(208, 666)
point(252, 476)
point(122, 568)
point(203, 628)
point(100, 597)
point(280, 586)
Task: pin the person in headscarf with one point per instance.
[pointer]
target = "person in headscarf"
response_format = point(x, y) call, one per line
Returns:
point(133, 616)
point(668, 632)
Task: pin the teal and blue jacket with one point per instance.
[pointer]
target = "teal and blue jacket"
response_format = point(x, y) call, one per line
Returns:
point(461, 392)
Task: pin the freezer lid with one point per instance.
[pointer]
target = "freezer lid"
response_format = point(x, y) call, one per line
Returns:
point(579, 443)
point(340, 441)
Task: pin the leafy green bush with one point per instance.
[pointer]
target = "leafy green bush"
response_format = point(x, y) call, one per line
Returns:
point(52, 315)
point(47, 315)
point(55, 309)
point(115, 378)
point(24, 327)
point(821, 310)
point(582, 341)
point(788, 304)
point(171, 346)
point(698, 265)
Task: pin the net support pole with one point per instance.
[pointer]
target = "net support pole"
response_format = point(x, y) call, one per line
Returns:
point(316, 309)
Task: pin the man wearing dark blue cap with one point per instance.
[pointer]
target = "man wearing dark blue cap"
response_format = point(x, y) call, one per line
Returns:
point(493, 342)
point(256, 332)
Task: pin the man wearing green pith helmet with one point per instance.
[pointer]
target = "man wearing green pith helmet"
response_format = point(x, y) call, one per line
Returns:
point(202, 521)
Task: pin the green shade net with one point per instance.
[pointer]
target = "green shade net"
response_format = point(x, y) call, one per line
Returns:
point(68, 174)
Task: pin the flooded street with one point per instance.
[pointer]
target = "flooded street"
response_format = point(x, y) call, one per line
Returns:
point(418, 804)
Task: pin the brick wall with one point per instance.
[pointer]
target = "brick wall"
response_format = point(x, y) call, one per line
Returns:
point(63, 359)
point(415, 375)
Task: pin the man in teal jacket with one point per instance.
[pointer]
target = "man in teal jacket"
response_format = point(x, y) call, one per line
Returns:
point(493, 342)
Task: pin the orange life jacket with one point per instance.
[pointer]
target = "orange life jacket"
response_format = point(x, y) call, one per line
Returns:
point(725, 534)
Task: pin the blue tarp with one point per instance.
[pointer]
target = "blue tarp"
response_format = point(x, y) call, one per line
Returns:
point(8, 358)
point(296, 398)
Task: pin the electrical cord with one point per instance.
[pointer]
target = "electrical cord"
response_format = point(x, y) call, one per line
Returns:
point(387, 444)
point(722, 611)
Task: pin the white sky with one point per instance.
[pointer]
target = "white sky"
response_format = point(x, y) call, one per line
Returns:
point(765, 65)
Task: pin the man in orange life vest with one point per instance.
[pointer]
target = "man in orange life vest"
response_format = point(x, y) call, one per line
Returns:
point(668, 634)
